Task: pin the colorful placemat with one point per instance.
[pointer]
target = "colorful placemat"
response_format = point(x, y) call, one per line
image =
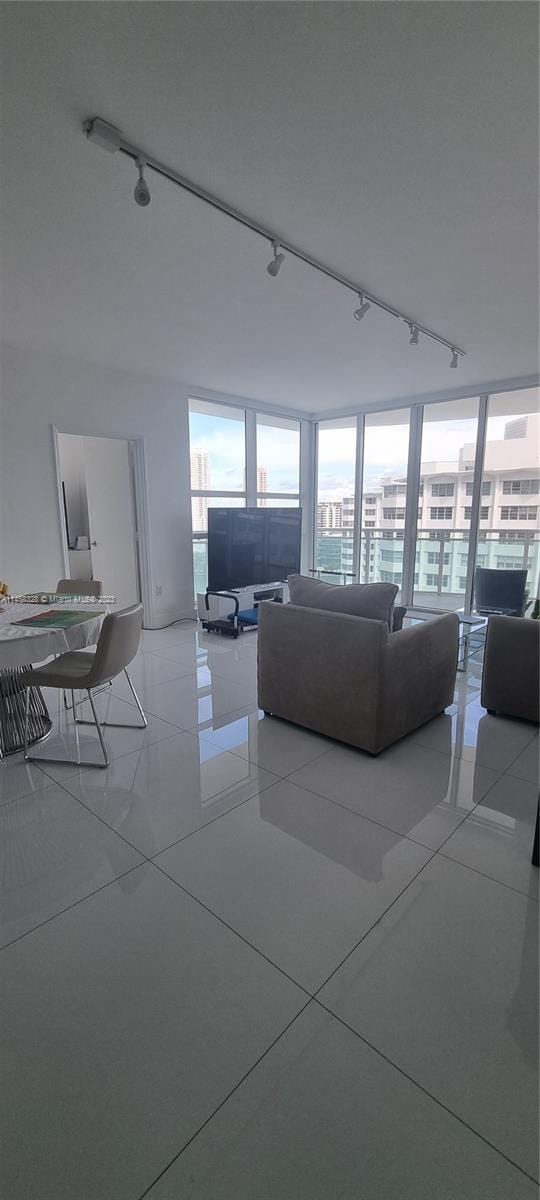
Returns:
point(56, 618)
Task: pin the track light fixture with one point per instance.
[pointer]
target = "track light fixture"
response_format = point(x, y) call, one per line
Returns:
point(274, 266)
point(141, 194)
point(110, 138)
point(364, 307)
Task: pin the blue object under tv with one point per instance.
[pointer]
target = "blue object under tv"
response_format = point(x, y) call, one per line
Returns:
point(248, 616)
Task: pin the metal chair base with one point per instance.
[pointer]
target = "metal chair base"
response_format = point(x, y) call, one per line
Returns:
point(113, 724)
point(78, 762)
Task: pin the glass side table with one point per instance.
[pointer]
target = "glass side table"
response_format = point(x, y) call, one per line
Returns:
point(472, 631)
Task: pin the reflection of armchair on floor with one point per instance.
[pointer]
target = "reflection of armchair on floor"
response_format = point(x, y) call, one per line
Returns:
point(333, 840)
point(511, 676)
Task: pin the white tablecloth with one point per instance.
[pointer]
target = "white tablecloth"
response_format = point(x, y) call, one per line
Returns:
point(20, 645)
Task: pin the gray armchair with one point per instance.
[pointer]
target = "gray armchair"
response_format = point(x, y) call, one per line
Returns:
point(349, 677)
point(511, 676)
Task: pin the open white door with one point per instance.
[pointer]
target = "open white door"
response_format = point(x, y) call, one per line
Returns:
point(111, 517)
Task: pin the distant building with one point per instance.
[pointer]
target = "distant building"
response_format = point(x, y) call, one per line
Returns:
point(508, 527)
point(329, 515)
point(262, 484)
point(200, 482)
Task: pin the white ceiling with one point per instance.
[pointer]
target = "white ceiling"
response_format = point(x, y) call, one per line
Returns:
point(395, 141)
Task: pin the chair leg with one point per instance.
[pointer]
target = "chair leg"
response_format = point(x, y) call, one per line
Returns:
point(120, 724)
point(136, 699)
point(75, 762)
point(98, 727)
point(26, 710)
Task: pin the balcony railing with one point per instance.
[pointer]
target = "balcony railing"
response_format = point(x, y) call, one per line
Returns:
point(440, 561)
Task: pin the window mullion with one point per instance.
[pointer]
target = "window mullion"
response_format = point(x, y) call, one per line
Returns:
point(476, 501)
point(411, 506)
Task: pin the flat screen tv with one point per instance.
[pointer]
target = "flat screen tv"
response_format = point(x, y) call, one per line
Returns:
point(252, 546)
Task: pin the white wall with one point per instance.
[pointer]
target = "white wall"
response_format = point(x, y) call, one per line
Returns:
point(40, 390)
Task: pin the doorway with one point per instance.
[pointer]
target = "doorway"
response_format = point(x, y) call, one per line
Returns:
point(99, 513)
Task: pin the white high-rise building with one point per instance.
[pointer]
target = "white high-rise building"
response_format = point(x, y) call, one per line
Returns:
point(262, 484)
point(200, 482)
point(329, 515)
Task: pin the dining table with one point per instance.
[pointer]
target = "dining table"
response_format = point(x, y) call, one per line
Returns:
point(22, 646)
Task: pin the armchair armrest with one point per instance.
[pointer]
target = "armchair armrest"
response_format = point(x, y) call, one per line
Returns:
point(419, 673)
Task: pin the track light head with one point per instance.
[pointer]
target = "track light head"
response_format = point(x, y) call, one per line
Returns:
point(141, 194)
point(274, 266)
point(454, 361)
point(364, 307)
point(413, 340)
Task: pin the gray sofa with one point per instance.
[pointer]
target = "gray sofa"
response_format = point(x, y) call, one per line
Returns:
point(510, 676)
point(348, 677)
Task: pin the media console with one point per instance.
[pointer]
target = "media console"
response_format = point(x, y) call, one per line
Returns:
point(214, 608)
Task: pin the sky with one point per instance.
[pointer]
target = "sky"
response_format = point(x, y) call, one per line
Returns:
point(385, 454)
point(223, 440)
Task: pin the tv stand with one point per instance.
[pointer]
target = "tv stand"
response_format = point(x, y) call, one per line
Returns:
point(214, 608)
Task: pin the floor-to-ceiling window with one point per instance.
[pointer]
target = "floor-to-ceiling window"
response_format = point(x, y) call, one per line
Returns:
point(448, 452)
point(238, 457)
point(384, 496)
point(464, 519)
point(509, 537)
point(217, 445)
point(335, 501)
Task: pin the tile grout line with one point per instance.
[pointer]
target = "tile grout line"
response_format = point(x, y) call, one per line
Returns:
point(507, 770)
point(150, 858)
point(457, 862)
point(231, 929)
point(75, 904)
point(389, 829)
point(375, 923)
point(225, 1100)
point(241, 803)
point(423, 1089)
point(310, 997)
point(151, 861)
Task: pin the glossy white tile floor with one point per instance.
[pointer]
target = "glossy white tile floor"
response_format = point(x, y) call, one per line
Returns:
point(248, 963)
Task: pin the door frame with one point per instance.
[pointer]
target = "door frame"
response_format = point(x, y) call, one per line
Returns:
point(140, 512)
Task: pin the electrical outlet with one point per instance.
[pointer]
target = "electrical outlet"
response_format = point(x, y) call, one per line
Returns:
point(158, 589)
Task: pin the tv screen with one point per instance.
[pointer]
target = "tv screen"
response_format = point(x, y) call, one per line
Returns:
point(252, 546)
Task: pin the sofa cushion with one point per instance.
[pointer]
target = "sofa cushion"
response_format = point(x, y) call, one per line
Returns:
point(373, 600)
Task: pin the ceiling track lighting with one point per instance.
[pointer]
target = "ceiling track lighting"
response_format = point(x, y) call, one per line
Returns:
point(141, 194)
point(274, 266)
point(363, 309)
point(110, 138)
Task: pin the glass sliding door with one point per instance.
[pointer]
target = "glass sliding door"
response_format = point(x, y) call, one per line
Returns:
point(333, 557)
point(384, 495)
point(449, 433)
point(509, 538)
